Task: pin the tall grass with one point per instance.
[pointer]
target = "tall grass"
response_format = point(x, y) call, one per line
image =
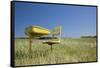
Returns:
point(70, 50)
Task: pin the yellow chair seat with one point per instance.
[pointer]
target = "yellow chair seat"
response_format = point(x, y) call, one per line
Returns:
point(52, 42)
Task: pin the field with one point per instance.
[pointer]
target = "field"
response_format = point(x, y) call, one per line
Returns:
point(70, 50)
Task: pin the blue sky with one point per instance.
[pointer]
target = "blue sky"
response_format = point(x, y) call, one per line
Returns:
point(76, 21)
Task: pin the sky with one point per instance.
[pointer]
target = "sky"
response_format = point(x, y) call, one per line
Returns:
point(75, 21)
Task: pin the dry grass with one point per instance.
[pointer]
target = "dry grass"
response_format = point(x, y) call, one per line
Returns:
point(70, 50)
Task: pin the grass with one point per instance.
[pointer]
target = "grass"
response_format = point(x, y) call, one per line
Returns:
point(69, 51)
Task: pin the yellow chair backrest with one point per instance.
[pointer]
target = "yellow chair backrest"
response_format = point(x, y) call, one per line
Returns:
point(56, 32)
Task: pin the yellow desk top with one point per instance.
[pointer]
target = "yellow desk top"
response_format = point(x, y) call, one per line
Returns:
point(37, 31)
